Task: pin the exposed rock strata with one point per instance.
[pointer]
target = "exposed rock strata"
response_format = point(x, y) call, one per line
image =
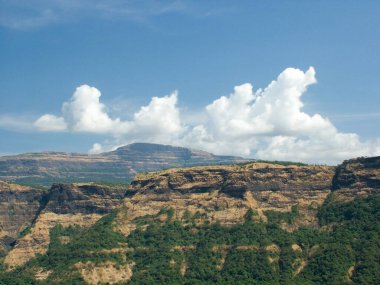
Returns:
point(84, 199)
point(225, 193)
point(19, 206)
point(105, 273)
point(235, 180)
point(38, 239)
point(360, 173)
point(355, 177)
point(66, 204)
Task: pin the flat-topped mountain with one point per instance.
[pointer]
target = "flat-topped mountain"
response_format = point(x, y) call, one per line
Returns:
point(120, 165)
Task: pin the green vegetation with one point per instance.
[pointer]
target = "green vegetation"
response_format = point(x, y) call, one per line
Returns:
point(185, 252)
point(25, 231)
point(85, 245)
point(281, 217)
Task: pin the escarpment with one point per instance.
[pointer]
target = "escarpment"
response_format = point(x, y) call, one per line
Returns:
point(83, 199)
point(290, 195)
point(65, 205)
point(19, 206)
point(235, 180)
point(226, 193)
point(355, 177)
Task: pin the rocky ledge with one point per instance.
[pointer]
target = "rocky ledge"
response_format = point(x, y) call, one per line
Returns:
point(235, 180)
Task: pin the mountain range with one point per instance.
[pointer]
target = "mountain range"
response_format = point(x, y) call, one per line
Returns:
point(118, 166)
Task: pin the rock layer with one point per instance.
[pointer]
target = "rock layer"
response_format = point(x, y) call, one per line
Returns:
point(65, 204)
point(225, 193)
point(235, 180)
point(84, 199)
point(19, 206)
point(354, 177)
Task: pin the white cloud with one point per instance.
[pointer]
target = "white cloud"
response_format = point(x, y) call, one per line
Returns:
point(266, 124)
point(85, 113)
point(51, 123)
point(158, 121)
point(270, 124)
point(96, 148)
point(331, 150)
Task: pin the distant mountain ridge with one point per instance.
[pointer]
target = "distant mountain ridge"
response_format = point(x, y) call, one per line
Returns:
point(118, 166)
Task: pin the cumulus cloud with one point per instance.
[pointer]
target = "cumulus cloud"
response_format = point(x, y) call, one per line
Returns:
point(328, 150)
point(275, 110)
point(51, 123)
point(270, 124)
point(267, 123)
point(158, 121)
point(83, 113)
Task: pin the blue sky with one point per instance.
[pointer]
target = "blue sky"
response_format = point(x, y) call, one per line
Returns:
point(132, 51)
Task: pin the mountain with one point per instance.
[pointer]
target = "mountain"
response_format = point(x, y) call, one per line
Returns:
point(118, 166)
point(253, 223)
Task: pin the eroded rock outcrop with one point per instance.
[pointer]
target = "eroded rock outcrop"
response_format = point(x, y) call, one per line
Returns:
point(354, 177)
point(235, 180)
point(225, 193)
point(19, 206)
point(66, 205)
point(83, 198)
point(105, 273)
point(38, 239)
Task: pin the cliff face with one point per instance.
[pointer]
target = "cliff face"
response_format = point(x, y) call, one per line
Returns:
point(223, 194)
point(83, 199)
point(235, 180)
point(64, 204)
point(120, 165)
point(19, 206)
point(359, 176)
point(360, 173)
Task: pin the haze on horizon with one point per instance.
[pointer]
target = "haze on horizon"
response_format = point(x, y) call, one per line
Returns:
point(277, 81)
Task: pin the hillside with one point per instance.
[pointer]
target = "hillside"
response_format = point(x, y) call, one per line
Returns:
point(254, 223)
point(118, 166)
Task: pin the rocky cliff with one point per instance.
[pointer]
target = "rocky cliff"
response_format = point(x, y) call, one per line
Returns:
point(19, 207)
point(290, 195)
point(355, 177)
point(120, 165)
point(217, 193)
point(36, 212)
point(226, 193)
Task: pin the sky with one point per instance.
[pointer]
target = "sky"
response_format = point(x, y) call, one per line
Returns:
point(279, 80)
